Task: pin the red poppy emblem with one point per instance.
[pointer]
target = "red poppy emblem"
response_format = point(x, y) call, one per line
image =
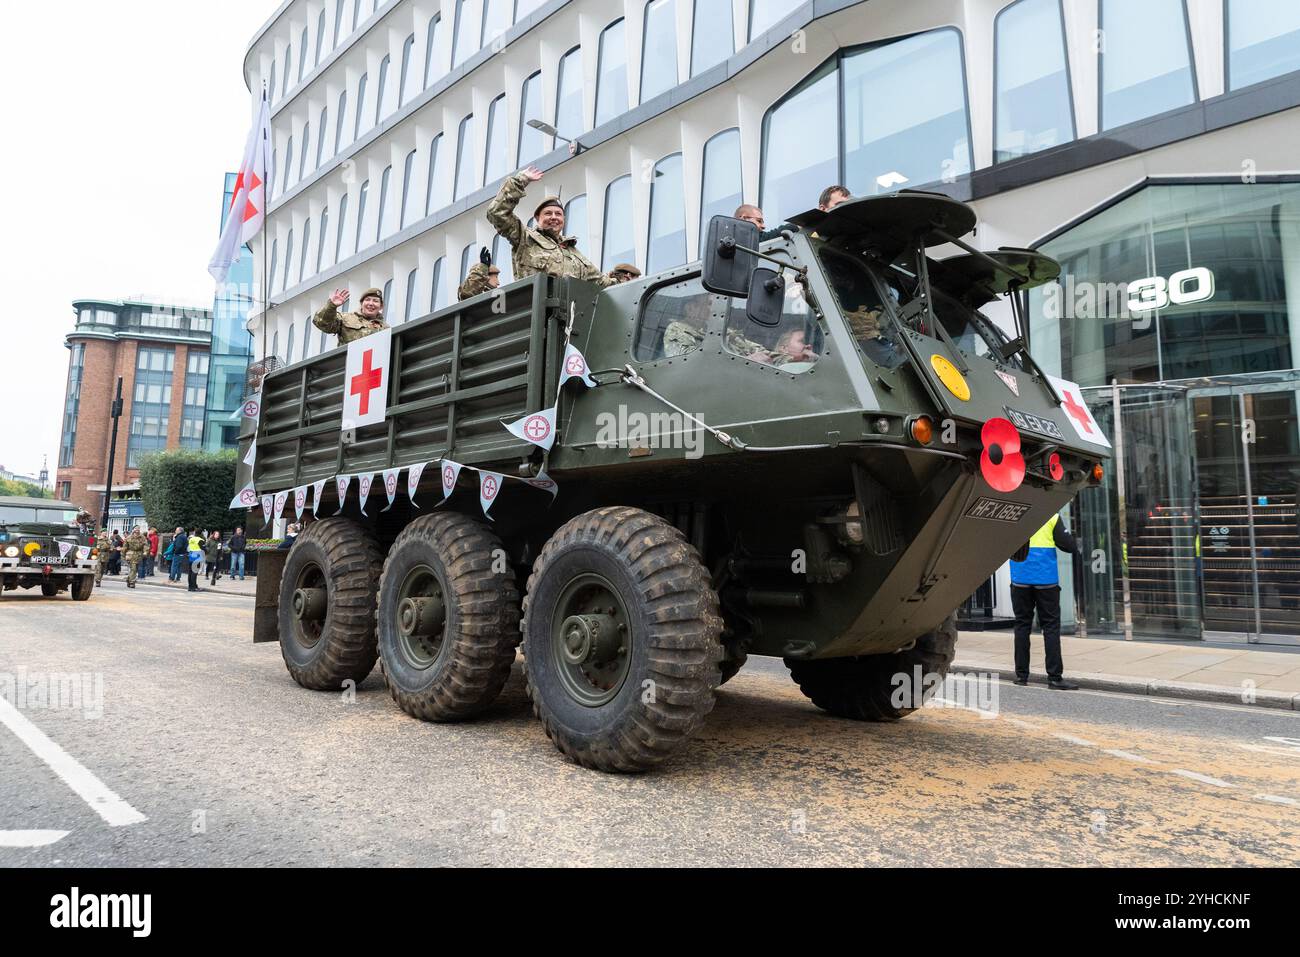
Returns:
point(1054, 467)
point(1001, 463)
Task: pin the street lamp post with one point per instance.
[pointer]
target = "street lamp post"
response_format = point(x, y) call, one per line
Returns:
point(116, 412)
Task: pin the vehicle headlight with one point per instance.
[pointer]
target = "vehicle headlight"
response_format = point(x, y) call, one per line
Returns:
point(11, 551)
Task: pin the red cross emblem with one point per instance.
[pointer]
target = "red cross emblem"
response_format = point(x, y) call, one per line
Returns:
point(448, 477)
point(300, 499)
point(537, 428)
point(249, 210)
point(280, 500)
point(1077, 412)
point(250, 409)
point(342, 486)
point(365, 485)
point(366, 381)
point(248, 496)
point(391, 484)
point(575, 365)
point(489, 488)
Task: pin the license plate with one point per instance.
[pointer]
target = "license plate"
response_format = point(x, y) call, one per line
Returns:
point(50, 560)
point(997, 510)
point(1028, 422)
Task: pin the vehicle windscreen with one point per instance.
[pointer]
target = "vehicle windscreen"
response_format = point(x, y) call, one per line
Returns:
point(973, 333)
point(859, 299)
point(19, 514)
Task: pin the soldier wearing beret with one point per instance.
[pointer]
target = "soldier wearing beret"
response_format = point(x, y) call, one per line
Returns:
point(133, 552)
point(483, 276)
point(545, 248)
point(625, 272)
point(349, 326)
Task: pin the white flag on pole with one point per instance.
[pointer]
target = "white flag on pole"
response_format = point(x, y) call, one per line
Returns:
point(248, 204)
point(317, 490)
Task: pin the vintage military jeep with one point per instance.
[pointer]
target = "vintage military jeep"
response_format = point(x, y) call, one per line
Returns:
point(42, 544)
point(813, 450)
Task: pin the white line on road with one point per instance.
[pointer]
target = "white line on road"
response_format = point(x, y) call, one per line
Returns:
point(30, 838)
point(102, 800)
point(1073, 740)
point(1128, 755)
point(1203, 778)
point(1275, 799)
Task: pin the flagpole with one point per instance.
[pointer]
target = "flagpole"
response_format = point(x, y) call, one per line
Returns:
point(266, 215)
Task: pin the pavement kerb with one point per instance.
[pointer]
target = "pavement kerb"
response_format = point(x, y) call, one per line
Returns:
point(1283, 700)
point(206, 591)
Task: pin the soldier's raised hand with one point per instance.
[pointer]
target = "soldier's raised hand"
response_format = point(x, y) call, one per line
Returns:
point(339, 297)
point(532, 173)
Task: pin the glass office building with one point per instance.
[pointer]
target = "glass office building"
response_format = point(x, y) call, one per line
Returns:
point(232, 346)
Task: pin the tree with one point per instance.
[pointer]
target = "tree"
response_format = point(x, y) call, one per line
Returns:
point(189, 488)
point(25, 489)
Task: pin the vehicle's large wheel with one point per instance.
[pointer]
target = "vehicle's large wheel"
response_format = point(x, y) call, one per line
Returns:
point(448, 618)
point(83, 586)
point(327, 604)
point(49, 590)
point(621, 630)
point(864, 689)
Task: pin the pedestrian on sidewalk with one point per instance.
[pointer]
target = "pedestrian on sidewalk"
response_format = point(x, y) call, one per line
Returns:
point(195, 557)
point(115, 554)
point(176, 553)
point(1035, 586)
point(237, 545)
point(152, 558)
point(212, 552)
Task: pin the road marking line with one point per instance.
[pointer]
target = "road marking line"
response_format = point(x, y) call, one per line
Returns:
point(1073, 740)
point(101, 798)
point(1128, 755)
point(30, 838)
point(1021, 724)
point(1274, 799)
point(1203, 778)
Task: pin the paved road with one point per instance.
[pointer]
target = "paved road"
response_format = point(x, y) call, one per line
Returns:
point(205, 737)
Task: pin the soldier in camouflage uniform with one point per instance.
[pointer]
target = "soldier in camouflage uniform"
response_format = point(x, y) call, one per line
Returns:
point(625, 272)
point(133, 551)
point(349, 326)
point(544, 249)
point(104, 554)
point(483, 276)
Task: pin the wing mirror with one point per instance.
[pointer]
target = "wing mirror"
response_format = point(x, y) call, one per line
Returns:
point(727, 267)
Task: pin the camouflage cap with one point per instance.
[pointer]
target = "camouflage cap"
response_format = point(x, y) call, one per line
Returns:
point(493, 270)
point(628, 268)
point(377, 293)
point(548, 201)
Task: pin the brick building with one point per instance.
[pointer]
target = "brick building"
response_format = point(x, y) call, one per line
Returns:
point(161, 353)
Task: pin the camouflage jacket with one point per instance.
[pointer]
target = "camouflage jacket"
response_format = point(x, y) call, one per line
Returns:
point(533, 251)
point(681, 338)
point(135, 547)
point(475, 283)
point(103, 542)
point(348, 326)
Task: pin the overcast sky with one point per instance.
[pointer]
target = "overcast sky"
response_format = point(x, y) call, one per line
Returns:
point(122, 119)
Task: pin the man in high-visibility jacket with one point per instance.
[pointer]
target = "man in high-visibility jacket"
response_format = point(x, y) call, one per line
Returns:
point(1035, 586)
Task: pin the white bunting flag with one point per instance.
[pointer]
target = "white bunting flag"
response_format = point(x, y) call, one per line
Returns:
point(268, 503)
point(83, 552)
point(342, 482)
point(247, 498)
point(390, 486)
point(299, 500)
point(64, 548)
point(252, 407)
point(545, 482)
point(413, 480)
point(489, 485)
point(317, 490)
point(250, 456)
point(450, 473)
point(365, 383)
point(363, 487)
point(538, 428)
point(280, 499)
point(575, 367)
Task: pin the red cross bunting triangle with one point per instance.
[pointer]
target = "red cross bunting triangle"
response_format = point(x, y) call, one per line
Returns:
point(538, 428)
point(363, 487)
point(341, 482)
point(390, 486)
point(246, 498)
point(268, 503)
point(544, 482)
point(316, 491)
point(365, 392)
point(450, 473)
point(1077, 412)
point(489, 487)
point(299, 500)
point(280, 499)
point(252, 407)
point(575, 367)
point(250, 457)
point(413, 474)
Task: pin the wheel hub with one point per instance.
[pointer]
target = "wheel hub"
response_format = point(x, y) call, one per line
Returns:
point(421, 617)
point(418, 615)
point(591, 640)
point(309, 604)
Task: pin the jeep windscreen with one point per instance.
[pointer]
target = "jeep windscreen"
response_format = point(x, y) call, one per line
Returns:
point(26, 514)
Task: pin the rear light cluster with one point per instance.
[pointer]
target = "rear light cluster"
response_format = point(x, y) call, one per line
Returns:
point(921, 429)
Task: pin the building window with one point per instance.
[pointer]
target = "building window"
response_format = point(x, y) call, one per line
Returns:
point(532, 143)
point(466, 34)
point(431, 52)
point(343, 218)
point(712, 36)
point(338, 121)
point(439, 295)
point(288, 349)
point(406, 80)
point(793, 178)
point(388, 293)
point(435, 193)
point(320, 135)
point(288, 166)
point(1033, 104)
point(302, 54)
point(71, 405)
point(496, 20)
point(575, 222)
point(464, 158)
point(496, 161)
point(338, 22)
point(411, 279)
point(503, 259)
point(721, 189)
point(568, 97)
point(384, 221)
point(666, 246)
point(320, 37)
point(288, 69)
point(618, 245)
point(383, 85)
point(320, 242)
point(150, 403)
point(275, 257)
point(465, 260)
point(306, 245)
point(361, 213)
point(658, 49)
point(765, 14)
point(302, 153)
point(288, 260)
point(270, 89)
point(1263, 40)
point(525, 7)
point(673, 321)
point(611, 74)
point(361, 105)
point(409, 210)
point(1146, 62)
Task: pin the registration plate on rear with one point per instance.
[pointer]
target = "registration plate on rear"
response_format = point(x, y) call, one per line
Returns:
point(1028, 422)
point(997, 510)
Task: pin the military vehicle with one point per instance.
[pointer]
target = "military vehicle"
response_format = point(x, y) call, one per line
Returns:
point(41, 543)
point(803, 450)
